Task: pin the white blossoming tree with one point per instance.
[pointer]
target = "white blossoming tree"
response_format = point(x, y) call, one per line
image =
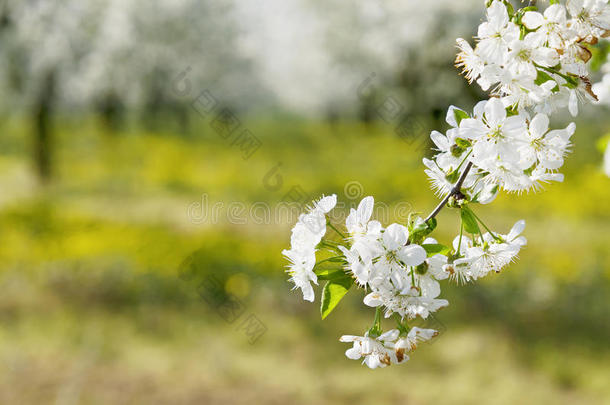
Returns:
point(533, 62)
point(74, 56)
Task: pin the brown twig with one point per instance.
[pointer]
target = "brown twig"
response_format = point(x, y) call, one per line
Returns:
point(455, 191)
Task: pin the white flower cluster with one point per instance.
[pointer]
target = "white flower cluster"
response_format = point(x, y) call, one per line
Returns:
point(397, 265)
point(388, 348)
point(533, 63)
point(512, 152)
point(398, 273)
point(306, 235)
point(536, 60)
point(485, 253)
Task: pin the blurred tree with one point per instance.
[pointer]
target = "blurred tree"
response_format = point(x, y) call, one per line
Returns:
point(40, 43)
point(112, 110)
point(42, 123)
point(406, 46)
point(114, 56)
point(119, 57)
point(141, 46)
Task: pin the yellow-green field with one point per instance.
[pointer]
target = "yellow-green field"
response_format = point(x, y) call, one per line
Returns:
point(93, 311)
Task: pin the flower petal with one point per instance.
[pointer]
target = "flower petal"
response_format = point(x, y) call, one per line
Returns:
point(413, 255)
point(539, 126)
point(395, 236)
point(365, 209)
point(495, 113)
point(532, 20)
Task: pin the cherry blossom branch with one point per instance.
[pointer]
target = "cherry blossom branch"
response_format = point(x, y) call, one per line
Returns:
point(456, 190)
point(510, 151)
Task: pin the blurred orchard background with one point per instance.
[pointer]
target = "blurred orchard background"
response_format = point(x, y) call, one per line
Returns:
point(145, 147)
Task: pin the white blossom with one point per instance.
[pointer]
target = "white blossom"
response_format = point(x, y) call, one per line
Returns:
point(590, 17)
point(551, 25)
point(496, 33)
point(377, 352)
point(408, 303)
point(408, 344)
point(306, 235)
point(489, 253)
point(541, 68)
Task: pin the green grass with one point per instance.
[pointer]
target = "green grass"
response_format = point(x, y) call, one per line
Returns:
point(92, 309)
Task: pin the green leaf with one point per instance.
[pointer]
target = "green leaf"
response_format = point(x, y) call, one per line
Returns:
point(542, 77)
point(571, 82)
point(435, 248)
point(333, 292)
point(528, 8)
point(335, 259)
point(330, 273)
point(460, 115)
point(418, 229)
point(469, 221)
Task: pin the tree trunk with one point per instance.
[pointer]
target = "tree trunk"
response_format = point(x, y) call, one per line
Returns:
point(112, 112)
point(43, 137)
